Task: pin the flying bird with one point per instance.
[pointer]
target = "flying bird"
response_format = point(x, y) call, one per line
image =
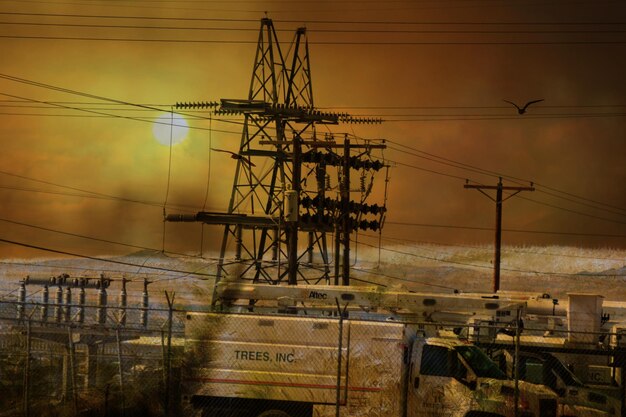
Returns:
point(522, 110)
point(235, 156)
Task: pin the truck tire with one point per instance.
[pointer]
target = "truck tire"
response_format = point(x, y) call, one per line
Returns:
point(273, 413)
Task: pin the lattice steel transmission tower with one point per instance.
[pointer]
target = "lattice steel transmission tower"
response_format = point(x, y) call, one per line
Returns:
point(279, 126)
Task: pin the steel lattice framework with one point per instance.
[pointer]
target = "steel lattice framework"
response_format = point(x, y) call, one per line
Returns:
point(279, 126)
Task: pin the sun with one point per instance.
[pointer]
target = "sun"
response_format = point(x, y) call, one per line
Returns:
point(170, 128)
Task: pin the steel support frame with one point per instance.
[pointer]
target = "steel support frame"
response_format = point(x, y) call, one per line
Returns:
point(259, 189)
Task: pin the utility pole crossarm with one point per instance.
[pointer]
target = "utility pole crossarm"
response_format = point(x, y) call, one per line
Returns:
point(498, 238)
point(495, 187)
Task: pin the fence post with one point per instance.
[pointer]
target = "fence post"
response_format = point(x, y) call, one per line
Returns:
point(72, 369)
point(338, 398)
point(120, 367)
point(27, 370)
point(518, 318)
point(168, 356)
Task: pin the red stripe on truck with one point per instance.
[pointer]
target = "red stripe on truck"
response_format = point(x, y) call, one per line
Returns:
point(278, 384)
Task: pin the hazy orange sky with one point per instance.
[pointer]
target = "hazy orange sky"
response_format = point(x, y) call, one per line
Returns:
point(437, 71)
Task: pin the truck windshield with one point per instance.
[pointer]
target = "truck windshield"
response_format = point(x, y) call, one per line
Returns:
point(480, 363)
point(566, 375)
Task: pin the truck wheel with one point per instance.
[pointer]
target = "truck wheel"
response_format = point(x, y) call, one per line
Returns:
point(273, 413)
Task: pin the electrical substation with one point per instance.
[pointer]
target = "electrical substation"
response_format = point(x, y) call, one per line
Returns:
point(286, 332)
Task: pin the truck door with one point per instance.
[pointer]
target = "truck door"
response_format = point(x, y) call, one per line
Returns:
point(434, 383)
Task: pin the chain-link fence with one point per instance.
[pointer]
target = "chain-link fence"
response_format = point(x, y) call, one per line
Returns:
point(138, 361)
point(85, 357)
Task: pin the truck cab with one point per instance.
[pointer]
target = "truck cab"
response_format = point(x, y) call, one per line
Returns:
point(575, 398)
point(453, 378)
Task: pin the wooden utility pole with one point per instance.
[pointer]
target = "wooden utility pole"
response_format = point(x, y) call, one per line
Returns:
point(498, 200)
point(292, 215)
point(345, 214)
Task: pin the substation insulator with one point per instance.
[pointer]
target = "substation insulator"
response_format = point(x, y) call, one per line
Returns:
point(196, 105)
point(45, 299)
point(306, 201)
point(64, 280)
point(355, 224)
point(357, 163)
point(308, 219)
point(326, 158)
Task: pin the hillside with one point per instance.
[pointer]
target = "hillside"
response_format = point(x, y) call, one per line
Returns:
point(556, 270)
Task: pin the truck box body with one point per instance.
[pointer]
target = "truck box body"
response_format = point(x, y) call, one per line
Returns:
point(283, 358)
point(288, 366)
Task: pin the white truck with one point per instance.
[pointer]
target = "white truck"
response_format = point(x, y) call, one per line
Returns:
point(301, 366)
point(575, 398)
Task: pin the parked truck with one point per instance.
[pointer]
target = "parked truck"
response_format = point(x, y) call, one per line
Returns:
point(302, 366)
point(575, 397)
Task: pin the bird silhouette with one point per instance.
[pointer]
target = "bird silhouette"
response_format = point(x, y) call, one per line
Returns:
point(522, 110)
point(235, 156)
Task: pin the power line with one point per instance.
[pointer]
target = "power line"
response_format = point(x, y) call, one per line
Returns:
point(397, 5)
point(580, 213)
point(525, 198)
point(415, 243)
point(95, 239)
point(157, 18)
point(447, 226)
point(473, 168)
point(482, 266)
point(444, 118)
point(166, 106)
point(351, 31)
point(320, 21)
point(426, 170)
point(479, 170)
point(319, 43)
point(79, 268)
point(462, 107)
point(82, 94)
point(397, 278)
point(193, 116)
point(190, 209)
point(106, 99)
point(116, 116)
point(88, 194)
point(93, 258)
point(230, 132)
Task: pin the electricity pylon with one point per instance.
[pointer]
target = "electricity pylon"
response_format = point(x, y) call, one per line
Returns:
point(279, 125)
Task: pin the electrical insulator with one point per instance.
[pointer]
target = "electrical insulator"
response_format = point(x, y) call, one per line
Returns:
point(328, 187)
point(44, 303)
point(80, 316)
point(306, 202)
point(377, 165)
point(21, 301)
point(362, 179)
point(59, 301)
point(67, 310)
